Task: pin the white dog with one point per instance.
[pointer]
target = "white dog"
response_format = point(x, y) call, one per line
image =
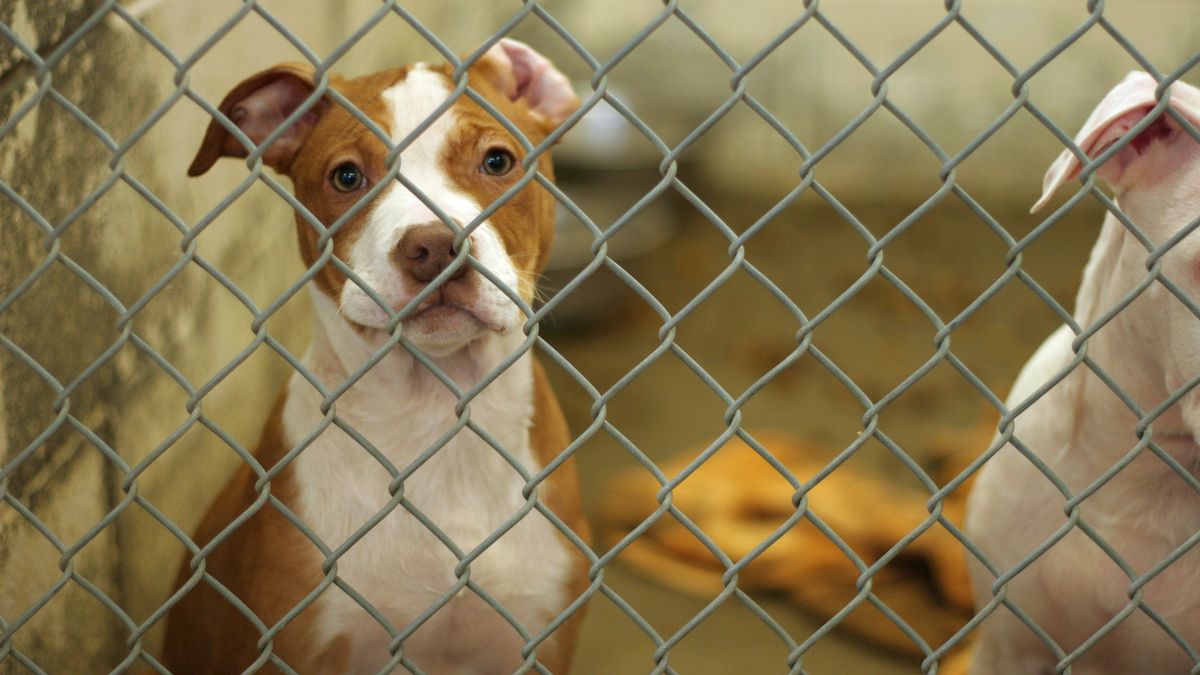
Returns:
point(1073, 591)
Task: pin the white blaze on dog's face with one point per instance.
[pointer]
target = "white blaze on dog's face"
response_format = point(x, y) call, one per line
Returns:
point(461, 162)
point(1156, 180)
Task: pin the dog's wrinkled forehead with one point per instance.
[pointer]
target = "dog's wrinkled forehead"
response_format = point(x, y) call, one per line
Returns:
point(413, 102)
point(425, 96)
point(419, 115)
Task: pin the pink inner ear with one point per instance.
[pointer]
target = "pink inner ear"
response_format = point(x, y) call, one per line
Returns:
point(1121, 109)
point(1120, 126)
point(544, 89)
point(523, 74)
point(528, 69)
point(1159, 130)
point(1154, 138)
point(1111, 133)
point(261, 112)
point(266, 108)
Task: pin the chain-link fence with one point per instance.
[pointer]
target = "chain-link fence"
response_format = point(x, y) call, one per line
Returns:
point(131, 386)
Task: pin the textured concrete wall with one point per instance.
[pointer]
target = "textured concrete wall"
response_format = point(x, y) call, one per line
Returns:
point(132, 405)
point(66, 483)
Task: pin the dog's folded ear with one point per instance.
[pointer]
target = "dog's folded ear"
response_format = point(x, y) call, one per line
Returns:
point(1123, 108)
point(527, 77)
point(258, 106)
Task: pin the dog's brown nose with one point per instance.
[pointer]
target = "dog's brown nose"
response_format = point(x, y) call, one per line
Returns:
point(426, 250)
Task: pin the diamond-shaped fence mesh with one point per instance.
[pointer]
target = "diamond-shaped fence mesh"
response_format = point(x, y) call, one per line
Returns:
point(769, 221)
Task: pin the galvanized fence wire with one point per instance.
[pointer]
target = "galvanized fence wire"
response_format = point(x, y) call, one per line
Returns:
point(810, 17)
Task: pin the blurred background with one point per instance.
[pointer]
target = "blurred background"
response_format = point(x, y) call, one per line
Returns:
point(741, 169)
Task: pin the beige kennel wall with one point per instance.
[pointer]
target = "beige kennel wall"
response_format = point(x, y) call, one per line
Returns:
point(952, 88)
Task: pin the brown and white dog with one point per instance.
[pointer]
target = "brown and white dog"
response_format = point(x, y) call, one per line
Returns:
point(462, 162)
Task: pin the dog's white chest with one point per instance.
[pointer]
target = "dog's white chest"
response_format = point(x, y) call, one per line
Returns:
point(460, 517)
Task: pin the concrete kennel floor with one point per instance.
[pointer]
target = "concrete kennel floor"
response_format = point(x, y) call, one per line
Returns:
point(949, 257)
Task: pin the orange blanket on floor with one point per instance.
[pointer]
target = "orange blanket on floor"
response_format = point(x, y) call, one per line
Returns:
point(739, 500)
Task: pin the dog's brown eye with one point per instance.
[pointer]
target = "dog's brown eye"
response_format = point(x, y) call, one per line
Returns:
point(347, 177)
point(497, 162)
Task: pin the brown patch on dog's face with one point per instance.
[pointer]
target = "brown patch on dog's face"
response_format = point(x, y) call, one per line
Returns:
point(337, 139)
point(525, 222)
